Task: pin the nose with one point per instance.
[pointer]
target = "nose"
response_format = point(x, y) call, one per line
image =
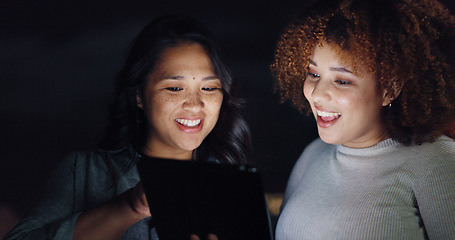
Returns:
point(193, 101)
point(321, 91)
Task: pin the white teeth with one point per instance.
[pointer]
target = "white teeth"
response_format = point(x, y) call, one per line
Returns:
point(327, 114)
point(189, 123)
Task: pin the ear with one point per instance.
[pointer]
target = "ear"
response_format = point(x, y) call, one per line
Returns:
point(139, 102)
point(388, 96)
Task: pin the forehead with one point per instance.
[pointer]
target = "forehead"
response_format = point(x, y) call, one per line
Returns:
point(185, 54)
point(336, 55)
point(183, 61)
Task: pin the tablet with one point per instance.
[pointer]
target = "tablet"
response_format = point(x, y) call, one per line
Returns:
point(188, 197)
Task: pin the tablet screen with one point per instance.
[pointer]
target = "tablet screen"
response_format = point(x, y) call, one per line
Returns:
point(188, 197)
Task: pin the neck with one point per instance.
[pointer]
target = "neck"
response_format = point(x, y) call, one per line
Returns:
point(369, 142)
point(175, 155)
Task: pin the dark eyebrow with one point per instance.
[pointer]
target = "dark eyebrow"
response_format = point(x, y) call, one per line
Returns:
point(178, 77)
point(173, 77)
point(341, 69)
point(210, 78)
point(338, 69)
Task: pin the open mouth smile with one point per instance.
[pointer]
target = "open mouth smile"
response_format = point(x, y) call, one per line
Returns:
point(328, 116)
point(189, 123)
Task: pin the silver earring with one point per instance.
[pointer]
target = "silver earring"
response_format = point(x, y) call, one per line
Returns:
point(390, 105)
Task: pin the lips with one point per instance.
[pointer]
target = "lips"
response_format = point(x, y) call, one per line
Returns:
point(328, 116)
point(189, 125)
point(326, 119)
point(188, 122)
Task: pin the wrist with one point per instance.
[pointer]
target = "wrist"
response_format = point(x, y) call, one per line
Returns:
point(135, 206)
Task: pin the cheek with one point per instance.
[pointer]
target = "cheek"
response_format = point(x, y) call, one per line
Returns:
point(348, 101)
point(214, 104)
point(365, 103)
point(159, 105)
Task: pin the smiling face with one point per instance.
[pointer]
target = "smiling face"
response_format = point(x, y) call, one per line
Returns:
point(181, 100)
point(346, 105)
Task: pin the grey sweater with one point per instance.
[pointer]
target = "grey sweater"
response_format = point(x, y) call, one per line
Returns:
point(388, 191)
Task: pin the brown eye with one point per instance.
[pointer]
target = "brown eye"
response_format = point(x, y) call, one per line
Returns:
point(342, 82)
point(210, 88)
point(174, 89)
point(313, 75)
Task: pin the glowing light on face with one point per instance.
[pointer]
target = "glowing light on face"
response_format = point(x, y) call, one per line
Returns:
point(346, 106)
point(181, 101)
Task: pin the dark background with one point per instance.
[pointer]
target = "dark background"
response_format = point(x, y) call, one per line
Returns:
point(58, 60)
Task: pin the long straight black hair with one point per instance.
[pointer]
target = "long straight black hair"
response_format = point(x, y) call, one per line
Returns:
point(229, 141)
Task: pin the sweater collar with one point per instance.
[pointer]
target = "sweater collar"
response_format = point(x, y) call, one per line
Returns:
point(378, 149)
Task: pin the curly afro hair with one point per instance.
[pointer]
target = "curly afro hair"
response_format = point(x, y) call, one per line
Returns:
point(407, 44)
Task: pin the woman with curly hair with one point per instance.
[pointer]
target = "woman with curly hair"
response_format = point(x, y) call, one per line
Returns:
point(379, 78)
point(174, 100)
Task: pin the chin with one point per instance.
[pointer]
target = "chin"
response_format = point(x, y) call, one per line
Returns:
point(329, 140)
point(190, 147)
